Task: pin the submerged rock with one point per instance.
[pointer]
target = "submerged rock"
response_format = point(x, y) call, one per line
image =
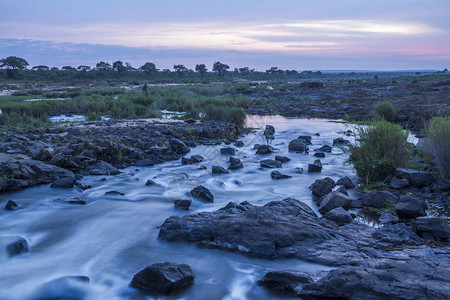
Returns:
point(325, 148)
point(264, 149)
point(239, 144)
point(219, 170)
point(340, 141)
point(183, 204)
point(282, 159)
point(11, 205)
point(14, 245)
point(279, 175)
point(163, 277)
point(270, 163)
point(228, 151)
point(67, 287)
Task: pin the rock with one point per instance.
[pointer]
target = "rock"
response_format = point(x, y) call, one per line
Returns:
point(15, 245)
point(393, 235)
point(103, 168)
point(298, 170)
point(298, 145)
point(431, 228)
point(321, 187)
point(67, 287)
point(278, 175)
point(334, 200)
point(73, 200)
point(315, 167)
point(340, 141)
point(186, 161)
point(43, 154)
point(270, 163)
point(264, 149)
point(387, 218)
point(346, 182)
point(410, 208)
point(183, 204)
point(442, 185)
point(339, 215)
point(82, 185)
point(239, 144)
point(219, 170)
point(416, 178)
point(228, 151)
point(114, 193)
point(378, 199)
point(178, 146)
point(235, 163)
point(306, 138)
point(398, 184)
point(11, 205)
point(197, 158)
point(201, 192)
point(282, 159)
point(325, 148)
point(149, 182)
point(190, 121)
point(284, 281)
point(319, 154)
point(64, 183)
point(163, 277)
point(342, 190)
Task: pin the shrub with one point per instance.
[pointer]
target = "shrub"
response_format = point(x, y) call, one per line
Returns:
point(379, 149)
point(385, 110)
point(437, 143)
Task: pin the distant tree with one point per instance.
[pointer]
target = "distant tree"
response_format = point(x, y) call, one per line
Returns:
point(274, 71)
point(291, 72)
point(166, 71)
point(68, 68)
point(145, 89)
point(180, 69)
point(119, 67)
point(40, 68)
point(220, 68)
point(128, 67)
point(83, 68)
point(244, 70)
point(54, 69)
point(103, 66)
point(13, 64)
point(201, 69)
point(149, 68)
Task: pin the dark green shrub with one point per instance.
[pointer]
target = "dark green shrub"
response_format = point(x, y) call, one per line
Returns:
point(437, 143)
point(385, 110)
point(379, 149)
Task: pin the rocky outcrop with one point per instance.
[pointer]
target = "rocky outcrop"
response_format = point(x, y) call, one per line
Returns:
point(321, 187)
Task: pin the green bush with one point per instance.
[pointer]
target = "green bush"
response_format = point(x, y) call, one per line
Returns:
point(234, 115)
point(385, 110)
point(379, 149)
point(437, 143)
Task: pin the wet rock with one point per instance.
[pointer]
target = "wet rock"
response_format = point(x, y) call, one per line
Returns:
point(416, 178)
point(325, 148)
point(186, 161)
point(197, 158)
point(73, 200)
point(431, 228)
point(114, 193)
point(228, 151)
point(298, 170)
point(410, 208)
point(219, 170)
point(270, 163)
point(201, 192)
point(339, 215)
point(15, 245)
point(103, 168)
point(235, 163)
point(398, 184)
point(67, 287)
point(148, 162)
point(43, 154)
point(284, 281)
point(178, 146)
point(11, 205)
point(306, 139)
point(183, 204)
point(319, 154)
point(298, 145)
point(239, 144)
point(149, 182)
point(315, 167)
point(264, 149)
point(282, 159)
point(82, 185)
point(346, 182)
point(342, 190)
point(321, 187)
point(279, 175)
point(334, 200)
point(393, 235)
point(163, 277)
point(387, 218)
point(340, 141)
point(378, 199)
point(64, 183)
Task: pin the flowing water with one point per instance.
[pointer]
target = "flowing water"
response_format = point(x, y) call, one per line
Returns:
point(113, 236)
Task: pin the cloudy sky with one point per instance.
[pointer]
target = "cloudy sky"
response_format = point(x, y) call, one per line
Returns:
point(290, 34)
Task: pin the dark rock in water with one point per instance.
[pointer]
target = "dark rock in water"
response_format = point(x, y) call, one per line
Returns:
point(339, 215)
point(284, 281)
point(186, 161)
point(378, 199)
point(416, 178)
point(334, 200)
point(264, 149)
point(201, 192)
point(197, 158)
point(321, 187)
point(282, 158)
point(270, 163)
point(325, 148)
point(149, 182)
point(431, 228)
point(235, 163)
point(67, 287)
point(183, 204)
point(298, 145)
point(342, 190)
point(279, 175)
point(315, 167)
point(15, 245)
point(306, 138)
point(298, 170)
point(239, 144)
point(103, 168)
point(345, 181)
point(398, 184)
point(82, 185)
point(73, 200)
point(193, 160)
point(410, 208)
point(219, 170)
point(64, 183)
point(148, 162)
point(319, 154)
point(178, 146)
point(202, 167)
point(114, 193)
point(228, 151)
point(163, 277)
point(190, 121)
point(340, 141)
point(11, 205)
point(393, 235)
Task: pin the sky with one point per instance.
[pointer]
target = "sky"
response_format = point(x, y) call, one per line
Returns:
point(289, 34)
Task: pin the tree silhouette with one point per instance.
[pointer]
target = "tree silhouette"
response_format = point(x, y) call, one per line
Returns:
point(220, 68)
point(12, 64)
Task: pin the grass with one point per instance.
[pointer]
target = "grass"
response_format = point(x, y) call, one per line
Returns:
point(385, 110)
point(380, 149)
point(437, 144)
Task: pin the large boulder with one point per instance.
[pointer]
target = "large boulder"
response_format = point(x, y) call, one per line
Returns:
point(321, 187)
point(431, 228)
point(378, 199)
point(410, 208)
point(416, 178)
point(201, 192)
point(298, 145)
point(339, 215)
point(163, 277)
point(334, 200)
